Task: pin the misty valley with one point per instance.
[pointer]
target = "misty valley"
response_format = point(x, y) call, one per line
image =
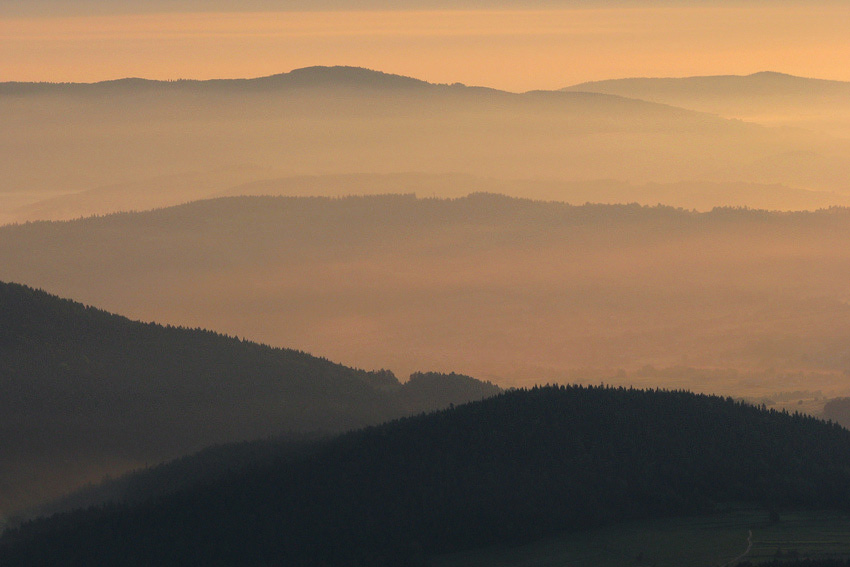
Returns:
point(341, 317)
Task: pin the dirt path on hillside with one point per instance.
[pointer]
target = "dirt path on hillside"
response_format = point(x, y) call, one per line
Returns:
point(746, 551)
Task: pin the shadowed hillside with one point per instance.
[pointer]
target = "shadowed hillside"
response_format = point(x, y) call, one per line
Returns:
point(85, 393)
point(515, 468)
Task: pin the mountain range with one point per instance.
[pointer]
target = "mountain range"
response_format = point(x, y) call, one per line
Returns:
point(516, 237)
point(342, 120)
point(769, 98)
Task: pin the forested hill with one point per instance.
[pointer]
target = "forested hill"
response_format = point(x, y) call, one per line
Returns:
point(520, 466)
point(84, 393)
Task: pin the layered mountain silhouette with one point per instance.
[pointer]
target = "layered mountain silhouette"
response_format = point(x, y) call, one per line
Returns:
point(86, 393)
point(521, 466)
point(308, 77)
point(512, 290)
point(767, 97)
point(343, 120)
point(764, 84)
point(156, 192)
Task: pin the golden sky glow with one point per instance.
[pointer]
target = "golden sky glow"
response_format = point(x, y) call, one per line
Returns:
point(509, 49)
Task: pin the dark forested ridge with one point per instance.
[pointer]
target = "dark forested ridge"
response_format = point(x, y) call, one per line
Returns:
point(84, 393)
point(520, 466)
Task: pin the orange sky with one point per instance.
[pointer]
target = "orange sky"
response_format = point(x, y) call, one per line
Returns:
point(509, 49)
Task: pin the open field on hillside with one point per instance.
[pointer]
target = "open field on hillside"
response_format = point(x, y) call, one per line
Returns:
point(680, 542)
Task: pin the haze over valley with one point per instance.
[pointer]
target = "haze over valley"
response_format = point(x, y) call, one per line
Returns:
point(515, 291)
point(521, 284)
point(72, 149)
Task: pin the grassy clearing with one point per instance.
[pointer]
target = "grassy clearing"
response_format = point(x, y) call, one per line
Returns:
point(803, 534)
point(705, 541)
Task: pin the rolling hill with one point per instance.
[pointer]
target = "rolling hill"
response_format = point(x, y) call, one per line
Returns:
point(307, 78)
point(85, 393)
point(768, 98)
point(515, 468)
point(515, 291)
point(156, 192)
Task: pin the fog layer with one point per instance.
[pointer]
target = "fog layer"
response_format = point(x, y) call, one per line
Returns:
point(511, 290)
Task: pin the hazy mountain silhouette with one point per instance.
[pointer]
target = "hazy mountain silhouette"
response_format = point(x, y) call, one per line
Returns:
point(764, 84)
point(523, 465)
point(702, 196)
point(166, 191)
point(144, 194)
point(340, 120)
point(767, 97)
point(307, 77)
point(86, 393)
point(486, 285)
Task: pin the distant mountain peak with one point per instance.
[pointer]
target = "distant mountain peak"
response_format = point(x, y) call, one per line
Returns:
point(345, 76)
point(776, 76)
point(306, 77)
point(772, 74)
point(701, 81)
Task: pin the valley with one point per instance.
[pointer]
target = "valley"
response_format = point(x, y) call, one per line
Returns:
point(340, 317)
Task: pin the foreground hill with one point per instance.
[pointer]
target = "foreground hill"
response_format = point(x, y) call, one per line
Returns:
point(515, 468)
point(506, 289)
point(767, 98)
point(85, 393)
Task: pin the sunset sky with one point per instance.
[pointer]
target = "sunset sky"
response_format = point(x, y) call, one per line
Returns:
point(516, 46)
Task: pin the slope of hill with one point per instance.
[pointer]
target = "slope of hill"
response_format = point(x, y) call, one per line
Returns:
point(207, 465)
point(485, 285)
point(515, 468)
point(85, 393)
point(423, 392)
point(767, 98)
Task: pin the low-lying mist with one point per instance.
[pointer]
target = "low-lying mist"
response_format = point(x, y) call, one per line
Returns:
point(511, 290)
